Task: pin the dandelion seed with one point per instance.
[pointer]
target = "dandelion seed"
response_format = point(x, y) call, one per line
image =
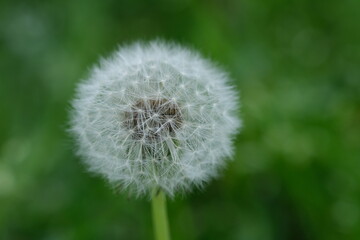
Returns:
point(155, 116)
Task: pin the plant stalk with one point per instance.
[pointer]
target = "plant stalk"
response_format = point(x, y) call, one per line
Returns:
point(160, 219)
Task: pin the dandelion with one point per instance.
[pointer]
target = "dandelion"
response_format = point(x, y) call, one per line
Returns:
point(155, 118)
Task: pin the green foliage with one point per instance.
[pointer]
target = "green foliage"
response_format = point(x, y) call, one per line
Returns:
point(296, 171)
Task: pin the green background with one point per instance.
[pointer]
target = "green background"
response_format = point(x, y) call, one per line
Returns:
point(296, 173)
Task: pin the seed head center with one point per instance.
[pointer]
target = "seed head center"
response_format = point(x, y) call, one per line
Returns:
point(153, 119)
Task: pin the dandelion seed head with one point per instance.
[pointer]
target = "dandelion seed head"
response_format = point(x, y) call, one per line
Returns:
point(155, 115)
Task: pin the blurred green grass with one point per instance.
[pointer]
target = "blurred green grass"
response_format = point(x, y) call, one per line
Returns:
point(296, 170)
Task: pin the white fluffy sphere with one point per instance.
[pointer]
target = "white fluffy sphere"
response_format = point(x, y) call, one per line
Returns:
point(155, 115)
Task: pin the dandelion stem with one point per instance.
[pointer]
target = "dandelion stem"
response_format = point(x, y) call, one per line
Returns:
point(160, 220)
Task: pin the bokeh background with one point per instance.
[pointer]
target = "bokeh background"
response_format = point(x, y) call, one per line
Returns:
point(296, 173)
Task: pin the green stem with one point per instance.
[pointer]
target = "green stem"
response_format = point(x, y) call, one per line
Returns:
point(160, 221)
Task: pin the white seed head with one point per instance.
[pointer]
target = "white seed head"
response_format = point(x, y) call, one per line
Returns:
point(155, 115)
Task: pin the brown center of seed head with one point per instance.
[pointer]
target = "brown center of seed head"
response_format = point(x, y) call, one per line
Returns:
point(153, 119)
